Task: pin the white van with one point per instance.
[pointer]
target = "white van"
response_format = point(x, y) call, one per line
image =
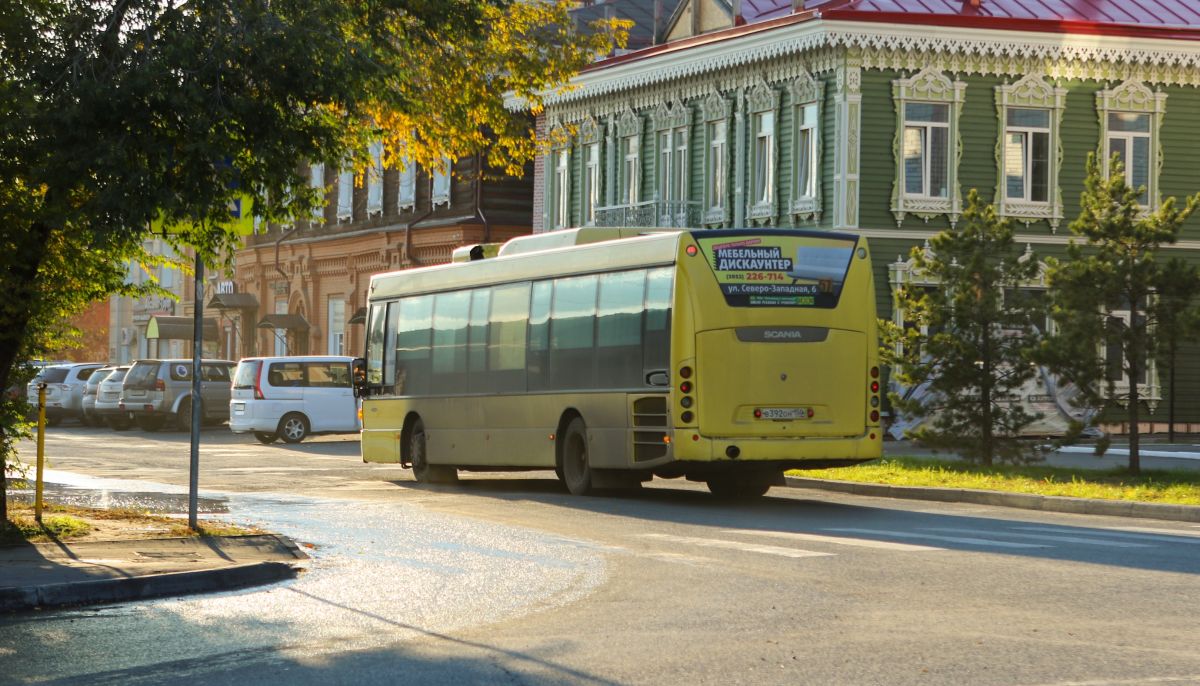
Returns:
point(292, 397)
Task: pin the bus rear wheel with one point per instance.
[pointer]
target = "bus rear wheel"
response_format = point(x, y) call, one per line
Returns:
point(424, 472)
point(575, 466)
point(739, 487)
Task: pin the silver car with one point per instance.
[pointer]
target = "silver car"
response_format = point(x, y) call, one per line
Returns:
point(88, 416)
point(64, 390)
point(107, 408)
point(158, 392)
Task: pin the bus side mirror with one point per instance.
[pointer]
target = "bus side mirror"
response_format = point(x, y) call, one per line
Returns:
point(658, 378)
point(358, 370)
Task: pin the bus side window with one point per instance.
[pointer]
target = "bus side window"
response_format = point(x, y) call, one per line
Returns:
point(656, 343)
point(573, 333)
point(389, 347)
point(477, 338)
point(506, 338)
point(619, 329)
point(413, 368)
point(539, 337)
point(450, 313)
point(375, 350)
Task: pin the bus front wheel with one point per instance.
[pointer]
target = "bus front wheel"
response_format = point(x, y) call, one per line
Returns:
point(576, 467)
point(424, 472)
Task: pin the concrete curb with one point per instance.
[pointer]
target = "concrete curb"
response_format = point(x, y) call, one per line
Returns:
point(1025, 501)
point(16, 599)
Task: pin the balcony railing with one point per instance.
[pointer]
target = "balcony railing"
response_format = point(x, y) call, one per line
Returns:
point(652, 213)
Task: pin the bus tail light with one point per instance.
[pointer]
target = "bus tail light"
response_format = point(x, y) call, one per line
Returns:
point(874, 372)
point(874, 386)
point(687, 417)
point(685, 372)
point(874, 415)
point(692, 251)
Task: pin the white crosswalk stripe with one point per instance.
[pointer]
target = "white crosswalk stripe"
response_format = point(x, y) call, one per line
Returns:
point(837, 540)
point(967, 540)
point(737, 545)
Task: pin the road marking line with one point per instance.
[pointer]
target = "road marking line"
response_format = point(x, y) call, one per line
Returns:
point(1124, 452)
point(951, 539)
point(737, 545)
point(1171, 535)
point(836, 540)
point(1060, 539)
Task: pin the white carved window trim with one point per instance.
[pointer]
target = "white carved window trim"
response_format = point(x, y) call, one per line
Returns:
point(629, 140)
point(560, 189)
point(440, 185)
point(717, 117)
point(1149, 390)
point(673, 133)
point(406, 186)
point(316, 180)
point(591, 177)
point(928, 86)
point(1031, 92)
point(375, 180)
point(806, 93)
point(763, 102)
point(1133, 97)
point(345, 206)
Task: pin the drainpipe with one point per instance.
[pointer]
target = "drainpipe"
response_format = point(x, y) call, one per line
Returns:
point(487, 225)
point(283, 237)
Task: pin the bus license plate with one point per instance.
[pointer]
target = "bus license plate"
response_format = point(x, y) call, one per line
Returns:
point(784, 413)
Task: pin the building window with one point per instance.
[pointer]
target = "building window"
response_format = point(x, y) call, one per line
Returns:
point(764, 104)
point(926, 184)
point(629, 169)
point(806, 151)
point(561, 189)
point(337, 325)
point(1130, 118)
point(316, 180)
point(406, 197)
point(591, 182)
point(673, 124)
point(807, 95)
point(345, 206)
point(375, 180)
point(1029, 151)
point(717, 115)
point(280, 335)
point(441, 183)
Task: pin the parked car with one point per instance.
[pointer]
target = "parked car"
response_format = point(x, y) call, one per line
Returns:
point(64, 390)
point(107, 407)
point(156, 392)
point(88, 414)
point(293, 397)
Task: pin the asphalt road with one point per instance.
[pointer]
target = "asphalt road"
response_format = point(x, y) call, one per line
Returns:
point(508, 579)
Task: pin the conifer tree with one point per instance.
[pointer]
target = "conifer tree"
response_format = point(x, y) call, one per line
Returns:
point(1104, 293)
point(979, 337)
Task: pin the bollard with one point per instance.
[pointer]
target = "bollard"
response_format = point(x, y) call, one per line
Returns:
point(41, 452)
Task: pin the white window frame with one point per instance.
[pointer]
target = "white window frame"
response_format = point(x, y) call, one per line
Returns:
point(406, 186)
point(345, 206)
point(673, 135)
point(808, 95)
point(1133, 97)
point(763, 104)
point(560, 193)
point(1036, 93)
point(336, 324)
point(629, 152)
point(590, 194)
point(717, 116)
point(928, 86)
point(375, 180)
point(316, 180)
point(440, 183)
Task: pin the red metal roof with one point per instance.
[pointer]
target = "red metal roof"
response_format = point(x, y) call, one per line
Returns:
point(1172, 14)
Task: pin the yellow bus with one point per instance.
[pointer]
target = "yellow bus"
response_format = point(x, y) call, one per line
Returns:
point(616, 355)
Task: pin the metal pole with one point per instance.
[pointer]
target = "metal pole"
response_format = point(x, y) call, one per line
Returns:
point(41, 452)
point(197, 409)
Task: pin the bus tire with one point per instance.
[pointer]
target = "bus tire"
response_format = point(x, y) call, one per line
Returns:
point(418, 455)
point(293, 427)
point(576, 467)
point(740, 487)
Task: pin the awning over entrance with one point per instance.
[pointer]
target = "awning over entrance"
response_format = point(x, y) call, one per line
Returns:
point(284, 321)
point(360, 316)
point(179, 328)
point(233, 301)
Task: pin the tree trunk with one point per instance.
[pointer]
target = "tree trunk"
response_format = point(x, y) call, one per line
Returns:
point(1171, 397)
point(21, 284)
point(1134, 367)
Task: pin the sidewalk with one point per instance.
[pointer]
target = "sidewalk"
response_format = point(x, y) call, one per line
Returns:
point(56, 574)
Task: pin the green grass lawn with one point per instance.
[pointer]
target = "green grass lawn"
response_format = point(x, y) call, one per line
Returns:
point(1176, 488)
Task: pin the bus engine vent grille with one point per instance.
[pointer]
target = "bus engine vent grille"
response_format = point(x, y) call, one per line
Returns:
point(649, 428)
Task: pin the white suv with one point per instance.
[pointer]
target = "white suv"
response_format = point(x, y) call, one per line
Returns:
point(64, 390)
point(292, 397)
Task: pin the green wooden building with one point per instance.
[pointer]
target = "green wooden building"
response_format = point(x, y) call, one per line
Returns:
point(877, 117)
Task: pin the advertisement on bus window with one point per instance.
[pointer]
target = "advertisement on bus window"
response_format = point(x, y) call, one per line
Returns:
point(779, 270)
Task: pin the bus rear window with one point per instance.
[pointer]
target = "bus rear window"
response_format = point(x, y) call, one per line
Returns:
point(778, 269)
